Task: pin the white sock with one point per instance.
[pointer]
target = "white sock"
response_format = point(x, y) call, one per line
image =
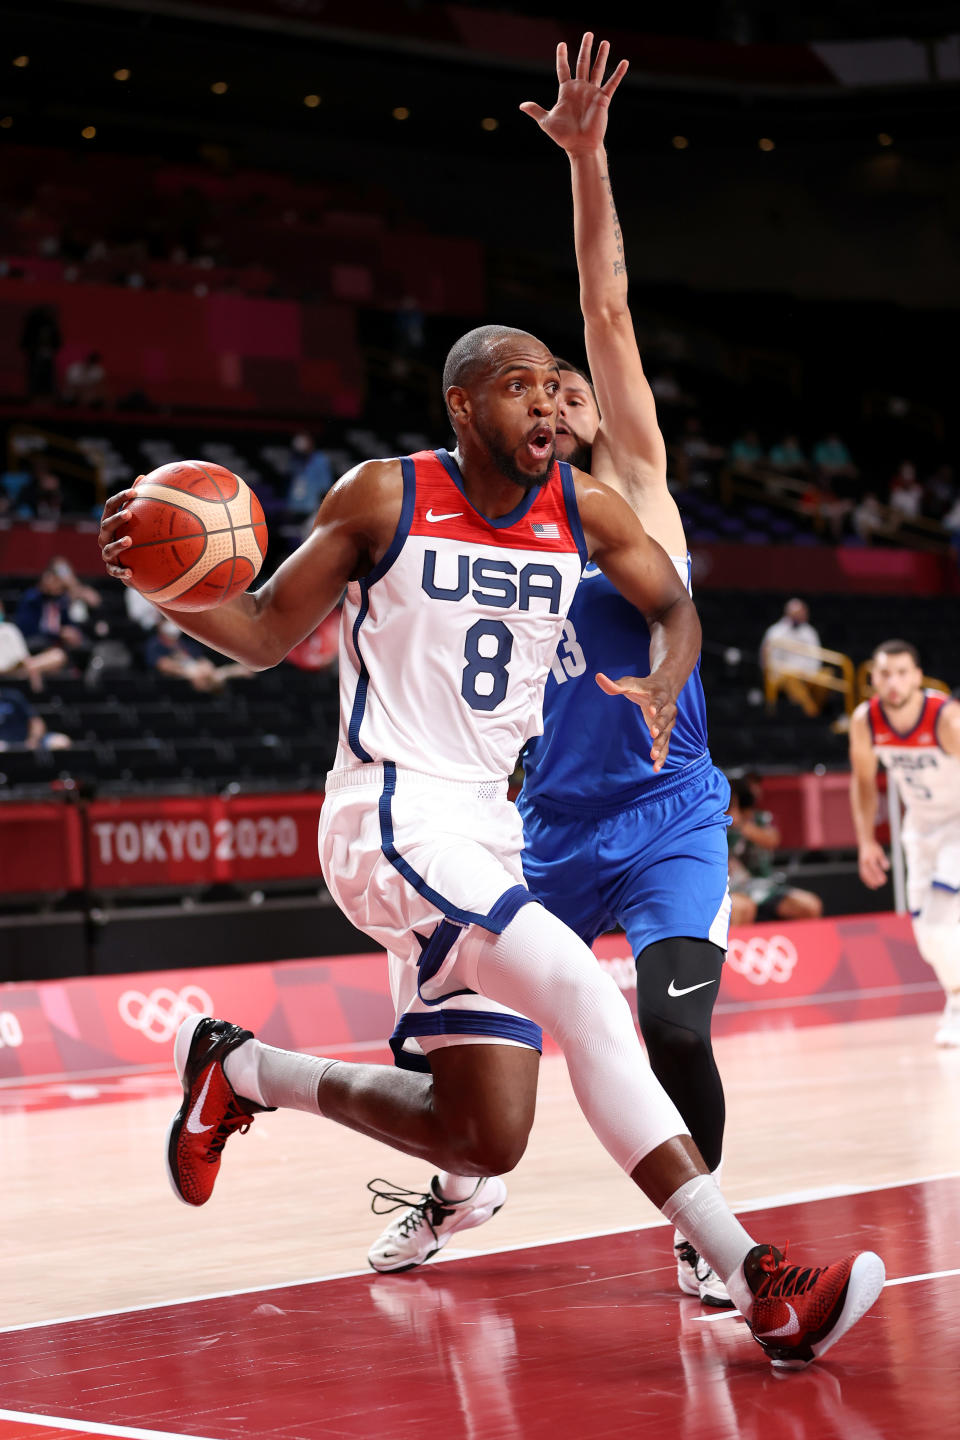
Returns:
point(679, 1239)
point(273, 1077)
point(699, 1212)
point(456, 1187)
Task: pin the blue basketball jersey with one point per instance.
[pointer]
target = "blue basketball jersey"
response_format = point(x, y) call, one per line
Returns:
point(594, 753)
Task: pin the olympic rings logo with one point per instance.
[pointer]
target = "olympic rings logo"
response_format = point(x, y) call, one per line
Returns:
point(159, 1015)
point(760, 960)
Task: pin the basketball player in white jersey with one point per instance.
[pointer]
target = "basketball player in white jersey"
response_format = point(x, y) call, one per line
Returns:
point(459, 570)
point(607, 841)
point(915, 734)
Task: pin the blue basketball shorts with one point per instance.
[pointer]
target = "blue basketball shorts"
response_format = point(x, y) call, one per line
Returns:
point(658, 867)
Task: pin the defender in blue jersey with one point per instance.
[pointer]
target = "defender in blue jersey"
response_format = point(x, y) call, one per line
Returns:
point(611, 838)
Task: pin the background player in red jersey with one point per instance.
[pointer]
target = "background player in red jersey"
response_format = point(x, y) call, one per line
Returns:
point(915, 734)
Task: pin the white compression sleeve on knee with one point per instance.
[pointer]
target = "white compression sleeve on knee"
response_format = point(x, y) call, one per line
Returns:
point(539, 967)
point(939, 945)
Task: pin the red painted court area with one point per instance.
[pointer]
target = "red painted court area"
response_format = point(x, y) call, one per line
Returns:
point(588, 1337)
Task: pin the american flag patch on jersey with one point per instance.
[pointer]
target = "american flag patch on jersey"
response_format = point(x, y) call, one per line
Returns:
point(550, 531)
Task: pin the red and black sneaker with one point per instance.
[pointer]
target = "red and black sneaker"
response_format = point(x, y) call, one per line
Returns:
point(211, 1110)
point(799, 1312)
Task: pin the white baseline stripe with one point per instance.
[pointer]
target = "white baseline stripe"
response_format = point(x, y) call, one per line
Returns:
point(91, 1427)
point(888, 1284)
point(796, 1197)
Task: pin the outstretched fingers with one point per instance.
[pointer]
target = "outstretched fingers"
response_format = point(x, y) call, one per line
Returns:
point(563, 63)
point(615, 78)
point(600, 62)
point(583, 56)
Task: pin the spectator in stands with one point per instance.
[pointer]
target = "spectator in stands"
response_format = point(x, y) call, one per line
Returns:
point(170, 652)
point(826, 509)
point(56, 610)
point(409, 327)
point(790, 670)
point(697, 458)
point(20, 725)
point(40, 342)
point(140, 610)
point(906, 492)
point(84, 382)
point(669, 393)
point(834, 461)
point(42, 496)
point(746, 452)
point(787, 457)
point(939, 492)
point(869, 518)
point(16, 660)
point(759, 892)
point(312, 476)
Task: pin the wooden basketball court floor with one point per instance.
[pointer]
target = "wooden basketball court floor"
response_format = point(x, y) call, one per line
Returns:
point(125, 1313)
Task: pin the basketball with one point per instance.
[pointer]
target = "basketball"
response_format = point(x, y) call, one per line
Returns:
point(198, 533)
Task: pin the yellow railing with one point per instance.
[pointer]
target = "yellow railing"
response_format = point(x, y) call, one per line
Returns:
point(66, 457)
point(785, 677)
point(785, 492)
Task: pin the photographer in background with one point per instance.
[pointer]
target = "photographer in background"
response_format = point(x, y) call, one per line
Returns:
point(758, 891)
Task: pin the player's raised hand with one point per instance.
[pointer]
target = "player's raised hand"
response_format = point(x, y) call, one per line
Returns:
point(873, 865)
point(578, 120)
point(656, 700)
point(111, 544)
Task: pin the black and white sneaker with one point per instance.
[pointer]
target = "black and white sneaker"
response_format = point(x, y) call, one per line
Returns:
point(428, 1222)
point(696, 1277)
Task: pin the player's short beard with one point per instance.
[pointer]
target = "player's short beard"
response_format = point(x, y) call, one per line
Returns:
point(581, 458)
point(507, 465)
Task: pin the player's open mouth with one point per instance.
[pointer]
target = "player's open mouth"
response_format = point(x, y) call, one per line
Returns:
point(540, 442)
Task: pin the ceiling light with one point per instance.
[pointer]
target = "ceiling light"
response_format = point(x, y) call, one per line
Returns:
point(22, 61)
point(400, 112)
point(884, 139)
point(123, 74)
point(766, 143)
point(311, 101)
point(219, 87)
point(89, 132)
point(680, 142)
point(489, 123)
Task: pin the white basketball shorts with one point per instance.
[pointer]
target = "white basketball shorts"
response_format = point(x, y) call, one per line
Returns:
point(414, 860)
point(933, 862)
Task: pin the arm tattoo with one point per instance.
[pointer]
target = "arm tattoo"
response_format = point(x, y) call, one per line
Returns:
point(619, 265)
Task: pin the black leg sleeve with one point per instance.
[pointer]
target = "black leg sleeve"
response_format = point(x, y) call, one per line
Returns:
point(677, 983)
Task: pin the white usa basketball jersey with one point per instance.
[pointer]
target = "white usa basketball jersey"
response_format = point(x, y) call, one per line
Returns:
point(446, 645)
point(928, 780)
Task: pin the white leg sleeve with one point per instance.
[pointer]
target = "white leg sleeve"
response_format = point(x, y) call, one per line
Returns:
point(539, 967)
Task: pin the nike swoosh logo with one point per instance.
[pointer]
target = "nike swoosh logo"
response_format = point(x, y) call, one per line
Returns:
point(792, 1327)
point(672, 988)
point(590, 574)
point(197, 1111)
point(434, 518)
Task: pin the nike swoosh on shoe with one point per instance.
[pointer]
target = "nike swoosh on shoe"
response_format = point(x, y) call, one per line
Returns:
point(196, 1112)
point(792, 1327)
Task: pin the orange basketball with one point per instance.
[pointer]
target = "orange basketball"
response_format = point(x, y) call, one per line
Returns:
point(198, 535)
